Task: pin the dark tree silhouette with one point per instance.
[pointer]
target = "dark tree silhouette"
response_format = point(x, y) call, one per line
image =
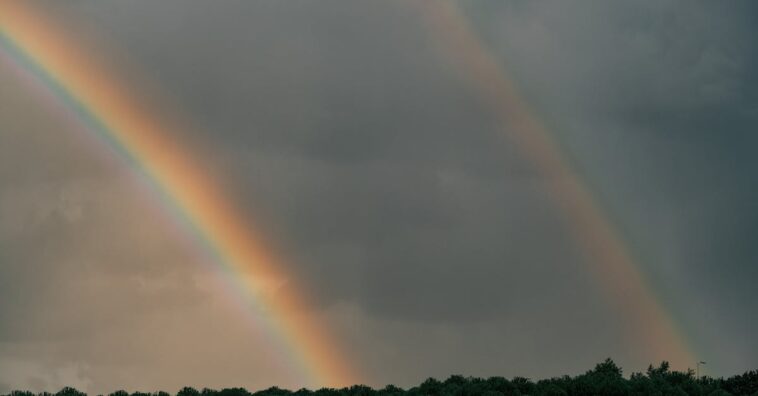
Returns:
point(605, 379)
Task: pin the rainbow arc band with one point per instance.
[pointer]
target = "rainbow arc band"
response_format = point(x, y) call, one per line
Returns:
point(652, 333)
point(115, 117)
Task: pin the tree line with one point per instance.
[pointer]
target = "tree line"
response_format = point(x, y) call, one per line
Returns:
point(605, 379)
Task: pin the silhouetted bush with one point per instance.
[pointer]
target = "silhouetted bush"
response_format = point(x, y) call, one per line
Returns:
point(604, 379)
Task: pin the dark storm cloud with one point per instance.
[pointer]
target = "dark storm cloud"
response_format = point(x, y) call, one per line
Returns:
point(418, 229)
point(350, 133)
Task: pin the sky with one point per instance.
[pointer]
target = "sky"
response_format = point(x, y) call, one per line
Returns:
point(421, 234)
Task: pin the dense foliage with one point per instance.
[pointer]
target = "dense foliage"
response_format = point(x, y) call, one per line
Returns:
point(605, 379)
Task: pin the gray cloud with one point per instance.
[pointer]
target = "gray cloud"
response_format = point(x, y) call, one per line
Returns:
point(419, 232)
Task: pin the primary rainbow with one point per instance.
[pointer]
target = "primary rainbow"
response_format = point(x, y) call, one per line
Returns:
point(104, 104)
point(652, 332)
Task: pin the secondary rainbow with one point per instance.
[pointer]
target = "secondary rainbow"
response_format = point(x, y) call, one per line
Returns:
point(652, 331)
point(115, 116)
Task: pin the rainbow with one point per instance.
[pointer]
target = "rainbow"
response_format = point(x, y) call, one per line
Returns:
point(117, 118)
point(652, 333)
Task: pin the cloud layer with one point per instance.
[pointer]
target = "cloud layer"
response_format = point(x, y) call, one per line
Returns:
point(422, 236)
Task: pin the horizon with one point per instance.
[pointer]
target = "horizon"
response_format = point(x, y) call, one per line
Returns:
point(606, 378)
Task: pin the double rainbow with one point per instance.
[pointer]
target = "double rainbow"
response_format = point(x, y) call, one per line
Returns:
point(116, 117)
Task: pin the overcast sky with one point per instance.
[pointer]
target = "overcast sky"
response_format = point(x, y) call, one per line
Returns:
point(422, 236)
